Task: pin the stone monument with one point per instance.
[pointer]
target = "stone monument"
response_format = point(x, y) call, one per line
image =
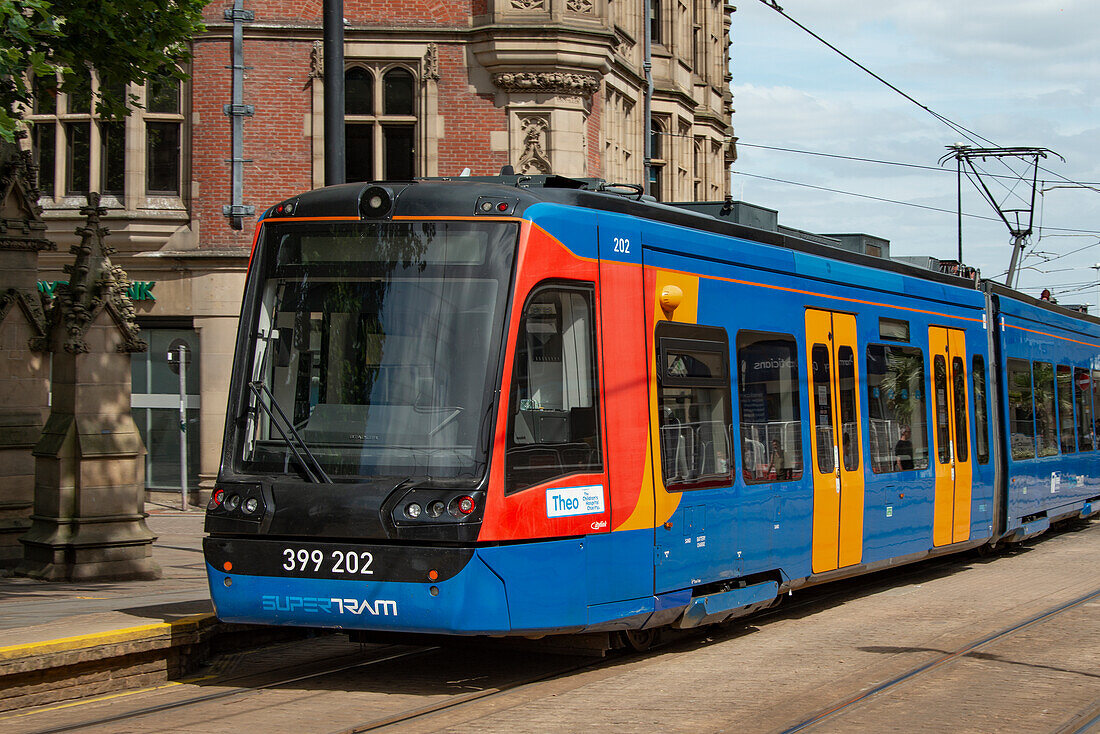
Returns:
point(89, 519)
point(24, 363)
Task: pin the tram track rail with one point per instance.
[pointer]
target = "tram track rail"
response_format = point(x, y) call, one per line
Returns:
point(386, 654)
point(807, 600)
point(814, 597)
point(947, 658)
point(1085, 721)
point(468, 698)
point(818, 597)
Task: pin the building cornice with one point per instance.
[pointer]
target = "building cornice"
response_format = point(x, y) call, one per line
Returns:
point(219, 254)
point(535, 58)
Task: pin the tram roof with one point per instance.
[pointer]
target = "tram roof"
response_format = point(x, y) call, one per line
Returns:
point(459, 196)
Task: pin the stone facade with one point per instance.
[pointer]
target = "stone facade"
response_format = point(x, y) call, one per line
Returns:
point(543, 85)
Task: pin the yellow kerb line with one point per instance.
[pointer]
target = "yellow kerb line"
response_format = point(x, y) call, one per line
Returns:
point(65, 644)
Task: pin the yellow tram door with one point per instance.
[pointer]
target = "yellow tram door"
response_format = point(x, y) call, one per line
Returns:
point(951, 437)
point(838, 476)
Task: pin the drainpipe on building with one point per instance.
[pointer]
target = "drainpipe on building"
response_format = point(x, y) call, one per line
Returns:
point(237, 110)
point(333, 14)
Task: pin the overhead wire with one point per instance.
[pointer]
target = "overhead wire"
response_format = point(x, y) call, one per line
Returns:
point(1066, 254)
point(897, 201)
point(970, 135)
point(860, 159)
point(862, 196)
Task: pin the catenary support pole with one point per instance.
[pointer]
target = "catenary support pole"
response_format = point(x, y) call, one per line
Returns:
point(1017, 248)
point(333, 14)
point(183, 426)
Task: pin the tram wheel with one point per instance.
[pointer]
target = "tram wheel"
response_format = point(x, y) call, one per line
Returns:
point(989, 550)
point(640, 640)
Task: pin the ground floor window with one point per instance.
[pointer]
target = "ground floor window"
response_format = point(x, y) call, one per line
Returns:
point(155, 400)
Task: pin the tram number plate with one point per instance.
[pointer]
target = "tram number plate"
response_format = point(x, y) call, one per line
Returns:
point(338, 562)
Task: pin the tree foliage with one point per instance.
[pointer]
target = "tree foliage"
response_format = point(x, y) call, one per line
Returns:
point(125, 41)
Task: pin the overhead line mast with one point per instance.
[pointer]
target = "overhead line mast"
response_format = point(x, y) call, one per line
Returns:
point(1013, 217)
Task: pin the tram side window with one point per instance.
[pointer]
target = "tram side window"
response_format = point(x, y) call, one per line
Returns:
point(981, 411)
point(1043, 374)
point(1083, 388)
point(553, 428)
point(693, 405)
point(846, 397)
point(1065, 409)
point(1021, 418)
point(897, 408)
point(823, 407)
point(943, 427)
point(771, 414)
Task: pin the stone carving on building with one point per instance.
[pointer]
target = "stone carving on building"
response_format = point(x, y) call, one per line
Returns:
point(317, 60)
point(95, 284)
point(528, 4)
point(22, 229)
point(579, 6)
point(431, 62)
point(534, 158)
point(546, 82)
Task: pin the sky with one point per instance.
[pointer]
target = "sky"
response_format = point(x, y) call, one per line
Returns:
point(1019, 73)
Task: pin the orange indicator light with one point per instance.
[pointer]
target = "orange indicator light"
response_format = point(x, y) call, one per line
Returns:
point(433, 575)
point(228, 565)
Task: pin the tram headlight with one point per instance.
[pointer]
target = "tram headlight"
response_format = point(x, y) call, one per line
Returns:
point(424, 506)
point(375, 202)
point(232, 502)
point(251, 505)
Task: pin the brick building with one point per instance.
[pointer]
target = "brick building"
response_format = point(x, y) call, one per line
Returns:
point(431, 88)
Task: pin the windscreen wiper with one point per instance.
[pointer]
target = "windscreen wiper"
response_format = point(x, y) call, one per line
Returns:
point(314, 471)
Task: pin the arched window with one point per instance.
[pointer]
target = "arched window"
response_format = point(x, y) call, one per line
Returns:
point(380, 122)
point(358, 92)
point(657, 159)
point(397, 92)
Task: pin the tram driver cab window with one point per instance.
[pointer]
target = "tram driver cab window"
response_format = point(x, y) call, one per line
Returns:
point(553, 426)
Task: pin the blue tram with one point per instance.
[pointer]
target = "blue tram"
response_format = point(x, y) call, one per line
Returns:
point(534, 405)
